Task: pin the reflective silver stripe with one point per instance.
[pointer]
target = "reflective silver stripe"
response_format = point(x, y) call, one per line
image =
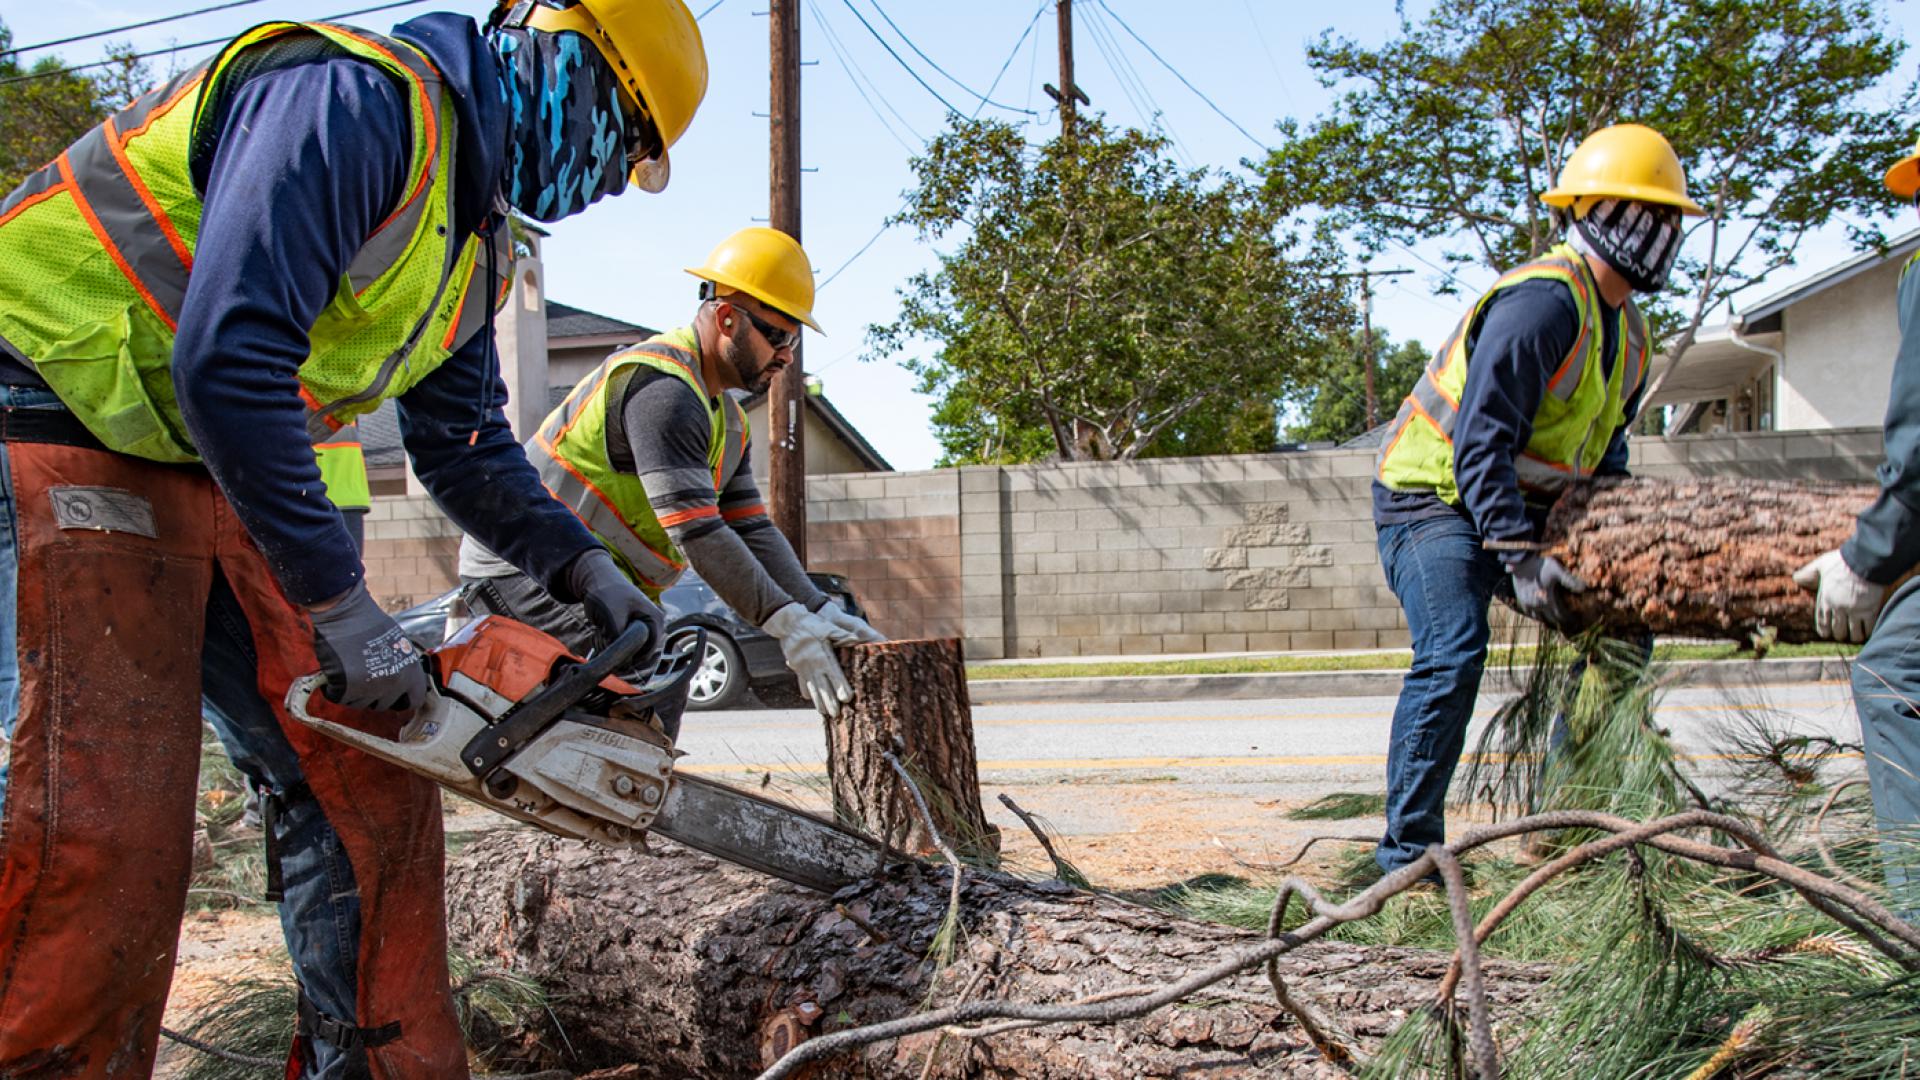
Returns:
point(601, 518)
point(385, 248)
point(483, 296)
point(1636, 366)
point(38, 182)
point(733, 450)
point(153, 266)
point(346, 436)
point(1540, 476)
point(1426, 393)
point(134, 117)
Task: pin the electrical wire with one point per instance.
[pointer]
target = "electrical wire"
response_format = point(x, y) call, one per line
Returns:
point(30, 76)
point(711, 8)
point(1268, 49)
point(850, 66)
point(1151, 115)
point(1013, 52)
point(932, 63)
point(4, 53)
point(1176, 74)
point(924, 85)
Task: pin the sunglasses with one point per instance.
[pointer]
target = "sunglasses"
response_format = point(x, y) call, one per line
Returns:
point(776, 337)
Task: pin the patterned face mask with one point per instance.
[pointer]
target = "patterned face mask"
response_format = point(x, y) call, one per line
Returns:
point(1639, 240)
point(566, 145)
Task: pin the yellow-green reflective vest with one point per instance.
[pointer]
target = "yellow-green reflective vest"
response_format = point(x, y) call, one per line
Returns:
point(573, 451)
point(343, 467)
point(97, 248)
point(1576, 419)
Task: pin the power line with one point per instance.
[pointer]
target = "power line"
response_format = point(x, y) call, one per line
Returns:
point(848, 65)
point(1015, 51)
point(711, 8)
point(1151, 114)
point(1268, 49)
point(1176, 74)
point(899, 59)
point(194, 45)
point(123, 29)
point(931, 62)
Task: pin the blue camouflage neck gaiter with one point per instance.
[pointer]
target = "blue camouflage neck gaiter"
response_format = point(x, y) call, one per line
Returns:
point(566, 145)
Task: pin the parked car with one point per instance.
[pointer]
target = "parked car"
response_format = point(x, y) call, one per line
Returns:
point(738, 655)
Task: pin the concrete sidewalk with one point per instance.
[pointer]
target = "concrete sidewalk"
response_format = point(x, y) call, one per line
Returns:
point(1351, 683)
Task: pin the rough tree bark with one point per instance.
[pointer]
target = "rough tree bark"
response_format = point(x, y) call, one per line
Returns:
point(910, 698)
point(1700, 558)
point(683, 965)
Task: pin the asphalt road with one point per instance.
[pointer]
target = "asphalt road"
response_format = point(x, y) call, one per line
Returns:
point(1296, 748)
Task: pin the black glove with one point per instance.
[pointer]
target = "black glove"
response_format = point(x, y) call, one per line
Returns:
point(367, 659)
point(1539, 587)
point(614, 602)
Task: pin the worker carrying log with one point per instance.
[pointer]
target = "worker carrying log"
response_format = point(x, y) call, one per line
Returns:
point(1535, 388)
point(195, 293)
point(653, 453)
point(1851, 602)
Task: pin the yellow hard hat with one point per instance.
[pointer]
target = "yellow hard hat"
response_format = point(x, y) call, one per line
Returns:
point(1625, 161)
point(654, 47)
point(1904, 178)
point(769, 266)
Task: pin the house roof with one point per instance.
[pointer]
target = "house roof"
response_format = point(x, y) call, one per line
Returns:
point(836, 423)
point(1900, 247)
point(565, 321)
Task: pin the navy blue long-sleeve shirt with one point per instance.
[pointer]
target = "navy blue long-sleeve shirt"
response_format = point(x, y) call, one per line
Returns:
point(310, 158)
point(1886, 536)
point(1522, 337)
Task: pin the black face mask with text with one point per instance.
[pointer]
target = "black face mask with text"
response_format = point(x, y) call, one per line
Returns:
point(1639, 240)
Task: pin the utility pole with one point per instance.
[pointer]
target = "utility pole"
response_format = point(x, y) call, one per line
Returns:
point(787, 398)
point(1366, 276)
point(1071, 93)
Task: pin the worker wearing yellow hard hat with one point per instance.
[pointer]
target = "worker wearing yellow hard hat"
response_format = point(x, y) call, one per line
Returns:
point(1535, 388)
point(1851, 587)
point(652, 452)
point(199, 292)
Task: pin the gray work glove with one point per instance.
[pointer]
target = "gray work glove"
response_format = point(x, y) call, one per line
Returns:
point(1845, 605)
point(614, 602)
point(367, 659)
point(1539, 587)
point(806, 640)
point(849, 629)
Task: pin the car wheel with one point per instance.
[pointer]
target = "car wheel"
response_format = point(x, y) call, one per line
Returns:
point(721, 677)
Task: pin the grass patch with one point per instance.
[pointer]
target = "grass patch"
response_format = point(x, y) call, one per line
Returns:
point(1340, 806)
point(1517, 655)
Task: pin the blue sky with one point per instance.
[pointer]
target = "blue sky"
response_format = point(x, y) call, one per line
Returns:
point(624, 256)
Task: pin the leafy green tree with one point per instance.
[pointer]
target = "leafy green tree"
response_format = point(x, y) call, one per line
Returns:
point(1776, 107)
point(1334, 406)
point(1099, 302)
point(41, 115)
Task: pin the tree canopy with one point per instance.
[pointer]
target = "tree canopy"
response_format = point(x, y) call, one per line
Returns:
point(1334, 406)
point(1100, 302)
point(44, 108)
point(1451, 129)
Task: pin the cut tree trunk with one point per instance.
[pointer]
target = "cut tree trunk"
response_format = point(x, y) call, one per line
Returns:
point(682, 965)
point(1700, 558)
point(910, 699)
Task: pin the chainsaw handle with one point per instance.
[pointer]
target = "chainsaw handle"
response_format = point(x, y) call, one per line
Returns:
point(532, 716)
point(300, 693)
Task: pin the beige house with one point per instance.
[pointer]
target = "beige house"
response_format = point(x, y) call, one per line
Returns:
point(1814, 357)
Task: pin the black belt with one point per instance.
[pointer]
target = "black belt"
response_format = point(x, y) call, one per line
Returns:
point(338, 1033)
point(56, 426)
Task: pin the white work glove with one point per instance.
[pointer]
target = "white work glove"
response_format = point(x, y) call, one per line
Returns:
point(849, 629)
point(806, 640)
point(1845, 605)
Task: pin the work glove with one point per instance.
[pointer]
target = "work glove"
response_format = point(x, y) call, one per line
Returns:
point(613, 603)
point(806, 640)
point(368, 660)
point(1539, 587)
point(1845, 605)
point(848, 628)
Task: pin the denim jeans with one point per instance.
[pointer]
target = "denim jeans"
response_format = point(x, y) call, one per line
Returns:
point(1886, 692)
point(1445, 581)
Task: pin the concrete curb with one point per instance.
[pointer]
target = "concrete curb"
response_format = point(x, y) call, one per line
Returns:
point(1304, 684)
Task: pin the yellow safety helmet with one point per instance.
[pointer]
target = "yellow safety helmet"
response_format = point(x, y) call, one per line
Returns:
point(769, 266)
point(1625, 161)
point(654, 47)
point(1904, 178)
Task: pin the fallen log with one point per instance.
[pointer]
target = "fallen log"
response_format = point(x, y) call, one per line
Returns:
point(1711, 558)
point(680, 965)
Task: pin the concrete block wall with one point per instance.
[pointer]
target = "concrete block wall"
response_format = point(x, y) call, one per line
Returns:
point(1263, 552)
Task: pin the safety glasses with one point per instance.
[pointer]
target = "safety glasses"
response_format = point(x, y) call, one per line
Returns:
point(776, 337)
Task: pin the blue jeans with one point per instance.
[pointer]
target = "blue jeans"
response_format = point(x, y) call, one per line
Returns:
point(1445, 581)
point(1886, 692)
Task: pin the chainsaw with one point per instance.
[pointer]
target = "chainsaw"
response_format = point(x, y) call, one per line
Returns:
point(516, 723)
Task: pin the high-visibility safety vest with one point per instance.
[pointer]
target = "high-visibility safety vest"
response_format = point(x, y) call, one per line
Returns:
point(575, 449)
point(343, 468)
point(1576, 419)
point(97, 248)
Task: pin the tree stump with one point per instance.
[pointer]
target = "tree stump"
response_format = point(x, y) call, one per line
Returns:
point(681, 965)
point(1709, 558)
point(909, 699)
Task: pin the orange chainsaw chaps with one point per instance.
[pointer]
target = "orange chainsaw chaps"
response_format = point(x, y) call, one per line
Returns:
point(508, 657)
point(389, 822)
point(96, 832)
